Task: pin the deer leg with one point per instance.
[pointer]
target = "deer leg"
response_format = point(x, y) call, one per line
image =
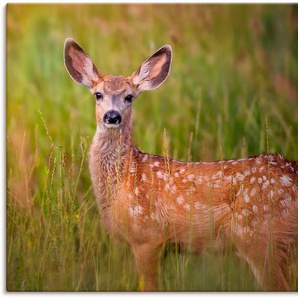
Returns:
point(147, 258)
point(270, 273)
point(276, 275)
point(274, 279)
point(281, 278)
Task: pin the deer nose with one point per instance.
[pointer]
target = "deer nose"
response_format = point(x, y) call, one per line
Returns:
point(112, 117)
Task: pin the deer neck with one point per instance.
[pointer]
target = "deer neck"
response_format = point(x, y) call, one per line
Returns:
point(112, 145)
point(109, 152)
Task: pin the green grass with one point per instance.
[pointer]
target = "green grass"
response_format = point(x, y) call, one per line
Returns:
point(234, 72)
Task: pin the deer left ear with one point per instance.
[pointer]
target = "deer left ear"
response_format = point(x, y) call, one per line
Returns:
point(154, 70)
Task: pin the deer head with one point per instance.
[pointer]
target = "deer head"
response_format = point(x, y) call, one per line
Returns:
point(114, 94)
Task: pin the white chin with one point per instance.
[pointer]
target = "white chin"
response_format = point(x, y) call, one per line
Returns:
point(111, 125)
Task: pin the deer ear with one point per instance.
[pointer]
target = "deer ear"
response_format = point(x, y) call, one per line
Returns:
point(154, 70)
point(79, 65)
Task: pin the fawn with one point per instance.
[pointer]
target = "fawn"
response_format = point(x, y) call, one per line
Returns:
point(150, 201)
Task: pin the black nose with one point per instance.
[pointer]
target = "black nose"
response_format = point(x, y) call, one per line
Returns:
point(112, 117)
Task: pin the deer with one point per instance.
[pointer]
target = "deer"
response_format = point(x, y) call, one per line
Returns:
point(152, 201)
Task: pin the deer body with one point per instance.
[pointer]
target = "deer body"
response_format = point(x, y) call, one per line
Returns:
point(149, 200)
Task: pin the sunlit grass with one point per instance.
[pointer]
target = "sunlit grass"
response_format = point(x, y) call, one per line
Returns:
point(234, 70)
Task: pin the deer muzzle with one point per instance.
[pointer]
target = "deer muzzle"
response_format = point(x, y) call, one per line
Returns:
point(112, 119)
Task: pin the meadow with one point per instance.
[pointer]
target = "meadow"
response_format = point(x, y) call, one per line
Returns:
point(232, 92)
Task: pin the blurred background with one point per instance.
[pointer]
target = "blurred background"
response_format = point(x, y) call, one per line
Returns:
point(232, 92)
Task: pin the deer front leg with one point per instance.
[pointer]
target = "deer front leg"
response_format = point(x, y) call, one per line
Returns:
point(147, 258)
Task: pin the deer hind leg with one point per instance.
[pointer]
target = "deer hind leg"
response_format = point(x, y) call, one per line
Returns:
point(279, 253)
point(147, 258)
point(268, 262)
point(271, 277)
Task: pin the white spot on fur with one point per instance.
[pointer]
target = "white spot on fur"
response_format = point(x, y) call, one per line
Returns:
point(252, 180)
point(145, 158)
point(253, 192)
point(265, 184)
point(167, 187)
point(285, 180)
point(159, 175)
point(228, 178)
point(206, 178)
point(137, 192)
point(254, 221)
point(190, 177)
point(132, 167)
point(240, 191)
point(246, 196)
point(239, 176)
point(240, 216)
point(245, 212)
point(234, 163)
point(199, 180)
point(286, 201)
point(253, 169)
point(258, 160)
point(284, 212)
point(180, 200)
point(154, 217)
point(242, 159)
point(182, 170)
point(209, 184)
point(184, 180)
point(272, 180)
point(216, 185)
point(261, 169)
point(217, 175)
point(197, 205)
point(143, 178)
point(255, 209)
point(266, 208)
point(260, 180)
point(190, 190)
point(186, 206)
point(135, 210)
point(156, 163)
point(271, 194)
point(176, 174)
point(173, 188)
point(246, 173)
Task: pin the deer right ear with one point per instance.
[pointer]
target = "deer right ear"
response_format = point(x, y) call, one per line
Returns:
point(79, 65)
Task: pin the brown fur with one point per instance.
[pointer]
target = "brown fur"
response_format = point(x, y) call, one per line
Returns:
point(149, 200)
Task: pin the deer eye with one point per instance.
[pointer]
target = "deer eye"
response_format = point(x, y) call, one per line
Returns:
point(98, 95)
point(128, 98)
